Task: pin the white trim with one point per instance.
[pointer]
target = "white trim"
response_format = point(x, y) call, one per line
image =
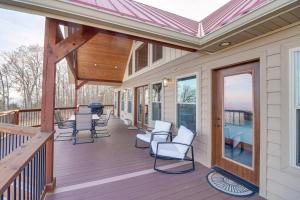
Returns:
point(162, 101)
point(197, 96)
point(294, 80)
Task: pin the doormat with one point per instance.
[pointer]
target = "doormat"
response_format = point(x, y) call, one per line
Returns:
point(227, 185)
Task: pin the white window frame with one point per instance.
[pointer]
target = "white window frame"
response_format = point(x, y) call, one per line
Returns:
point(123, 97)
point(130, 91)
point(157, 62)
point(293, 107)
point(197, 97)
point(161, 101)
point(137, 46)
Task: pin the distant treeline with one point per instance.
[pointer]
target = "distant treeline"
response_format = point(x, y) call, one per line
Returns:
point(21, 72)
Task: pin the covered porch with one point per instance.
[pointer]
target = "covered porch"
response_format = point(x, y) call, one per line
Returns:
point(112, 168)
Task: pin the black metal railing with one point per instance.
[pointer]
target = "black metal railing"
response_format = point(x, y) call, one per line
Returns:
point(30, 183)
point(9, 142)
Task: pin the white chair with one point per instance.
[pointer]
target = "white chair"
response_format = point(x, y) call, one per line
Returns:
point(175, 150)
point(84, 109)
point(101, 128)
point(83, 122)
point(161, 133)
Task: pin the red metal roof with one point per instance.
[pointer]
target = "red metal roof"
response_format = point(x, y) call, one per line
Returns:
point(148, 14)
point(229, 13)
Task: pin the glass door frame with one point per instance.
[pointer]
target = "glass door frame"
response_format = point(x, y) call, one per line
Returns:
point(141, 123)
point(252, 175)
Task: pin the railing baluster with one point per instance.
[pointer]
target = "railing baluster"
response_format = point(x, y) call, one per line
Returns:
point(15, 189)
point(19, 186)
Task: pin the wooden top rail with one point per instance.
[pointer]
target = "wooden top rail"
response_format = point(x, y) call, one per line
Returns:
point(19, 130)
point(39, 109)
point(14, 163)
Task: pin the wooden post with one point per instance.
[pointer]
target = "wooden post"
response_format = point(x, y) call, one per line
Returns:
point(76, 95)
point(55, 49)
point(48, 95)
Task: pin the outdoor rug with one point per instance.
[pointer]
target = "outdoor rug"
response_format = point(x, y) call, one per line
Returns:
point(227, 185)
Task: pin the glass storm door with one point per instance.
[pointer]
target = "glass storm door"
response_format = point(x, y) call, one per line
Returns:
point(142, 104)
point(236, 120)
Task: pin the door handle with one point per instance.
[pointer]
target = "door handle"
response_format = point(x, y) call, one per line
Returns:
point(219, 122)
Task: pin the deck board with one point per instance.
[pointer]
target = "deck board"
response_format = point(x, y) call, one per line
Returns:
point(115, 156)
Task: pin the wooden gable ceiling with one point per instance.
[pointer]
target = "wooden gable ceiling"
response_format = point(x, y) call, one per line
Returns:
point(103, 58)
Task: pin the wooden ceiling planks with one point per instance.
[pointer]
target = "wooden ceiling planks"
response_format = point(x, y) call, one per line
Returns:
point(104, 57)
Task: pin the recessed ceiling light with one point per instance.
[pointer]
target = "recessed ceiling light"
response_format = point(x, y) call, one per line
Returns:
point(225, 44)
point(116, 67)
point(95, 65)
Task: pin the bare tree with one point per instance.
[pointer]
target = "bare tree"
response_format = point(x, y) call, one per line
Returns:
point(25, 67)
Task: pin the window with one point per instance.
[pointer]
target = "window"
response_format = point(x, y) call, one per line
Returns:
point(122, 101)
point(157, 52)
point(130, 66)
point(296, 107)
point(186, 102)
point(129, 101)
point(156, 91)
point(115, 100)
point(141, 57)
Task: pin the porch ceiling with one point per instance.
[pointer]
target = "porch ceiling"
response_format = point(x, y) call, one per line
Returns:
point(103, 58)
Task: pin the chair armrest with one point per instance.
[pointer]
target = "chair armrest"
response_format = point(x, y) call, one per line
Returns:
point(153, 134)
point(162, 143)
point(188, 145)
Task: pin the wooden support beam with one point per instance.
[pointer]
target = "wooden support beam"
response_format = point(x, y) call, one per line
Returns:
point(55, 49)
point(73, 42)
point(48, 95)
point(99, 80)
point(70, 57)
point(82, 83)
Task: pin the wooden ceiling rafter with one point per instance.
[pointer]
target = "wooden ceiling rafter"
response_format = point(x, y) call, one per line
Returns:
point(82, 83)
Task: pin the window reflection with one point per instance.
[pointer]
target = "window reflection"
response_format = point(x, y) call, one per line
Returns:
point(238, 118)
point(186, 102)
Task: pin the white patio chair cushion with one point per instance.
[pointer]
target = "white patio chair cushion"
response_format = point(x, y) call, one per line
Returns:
point(160, 127)
point(184, 136)
point(147, 137)
point(167, 150)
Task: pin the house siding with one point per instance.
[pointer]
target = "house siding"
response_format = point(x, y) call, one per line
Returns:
point(275, 181)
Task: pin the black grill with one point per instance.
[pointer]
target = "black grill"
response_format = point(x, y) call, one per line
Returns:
point(96, 107)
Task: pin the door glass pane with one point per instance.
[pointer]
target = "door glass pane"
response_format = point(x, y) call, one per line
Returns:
point(298, 110)
point(238, 119)
point(146, 110)
point(139, 104)
point(156, 101)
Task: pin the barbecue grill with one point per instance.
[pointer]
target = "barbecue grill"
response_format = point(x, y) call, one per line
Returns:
point(96, 107)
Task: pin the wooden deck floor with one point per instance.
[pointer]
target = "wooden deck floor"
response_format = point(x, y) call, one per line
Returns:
point(112, 168)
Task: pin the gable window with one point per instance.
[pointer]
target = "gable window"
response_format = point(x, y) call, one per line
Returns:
point(141, 57)
point(129, 101)
point(296, 106)
point(130, 66)
point(186, 102)
point(122, 101)
point(156, 91)
point(157, 52)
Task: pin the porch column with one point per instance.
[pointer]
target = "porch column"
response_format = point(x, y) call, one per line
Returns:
point(48, 95)
point(76, 94)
